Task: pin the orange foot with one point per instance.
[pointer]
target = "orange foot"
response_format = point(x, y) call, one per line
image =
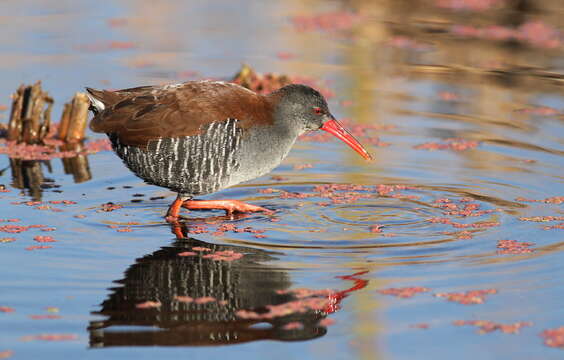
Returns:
point(230, 206)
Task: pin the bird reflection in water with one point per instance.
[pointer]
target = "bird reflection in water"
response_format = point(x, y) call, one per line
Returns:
point(248, 283)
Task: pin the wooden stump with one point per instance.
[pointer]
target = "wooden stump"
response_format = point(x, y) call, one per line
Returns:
point(74, 119)
point(30, 117)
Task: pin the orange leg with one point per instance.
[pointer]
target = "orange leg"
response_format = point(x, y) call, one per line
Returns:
point(230, 206)
point(174, 210)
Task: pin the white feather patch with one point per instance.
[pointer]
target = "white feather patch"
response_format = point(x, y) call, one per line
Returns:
point(96, 103)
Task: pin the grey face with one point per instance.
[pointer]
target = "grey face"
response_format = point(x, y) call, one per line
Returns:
point(304, 105)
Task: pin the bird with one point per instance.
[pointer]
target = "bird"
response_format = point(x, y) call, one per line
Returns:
point(198, 137)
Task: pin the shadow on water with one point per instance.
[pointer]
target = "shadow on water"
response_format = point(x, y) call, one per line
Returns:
point(28, 175)
point(249, 283)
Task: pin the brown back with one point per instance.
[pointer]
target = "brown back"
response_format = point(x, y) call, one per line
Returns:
point(141, 114)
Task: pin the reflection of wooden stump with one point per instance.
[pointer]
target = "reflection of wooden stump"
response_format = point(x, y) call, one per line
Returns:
point(78, 165)
point(30, 118)
point(74, 118)
point(27, 174)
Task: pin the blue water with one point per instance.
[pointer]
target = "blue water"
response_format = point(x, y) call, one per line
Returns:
point(94, 275)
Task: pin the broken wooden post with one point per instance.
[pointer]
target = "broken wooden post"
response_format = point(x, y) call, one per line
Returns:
point(260, 83)
point(30, 117)
point(74, 119)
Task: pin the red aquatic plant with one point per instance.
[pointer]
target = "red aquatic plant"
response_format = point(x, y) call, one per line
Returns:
point(557, 226)
point(449, 144)
point(328, 21)
point(404, 292)
point(472, 5)
point(38, 247)
point(294, 325)
point(514, 247)
point(469, 297)
point(148, 305)
point(50, 337)
point(554, 337)
point(486, 326)
point(542, 218)
point(45, 317)
point(44, 239)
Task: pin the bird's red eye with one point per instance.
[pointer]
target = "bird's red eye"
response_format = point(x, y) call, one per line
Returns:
point(317, 110)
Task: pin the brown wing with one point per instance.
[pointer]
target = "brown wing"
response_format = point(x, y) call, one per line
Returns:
point(139, 115)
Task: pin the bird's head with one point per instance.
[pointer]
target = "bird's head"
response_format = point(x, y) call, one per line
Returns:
point(306, 109)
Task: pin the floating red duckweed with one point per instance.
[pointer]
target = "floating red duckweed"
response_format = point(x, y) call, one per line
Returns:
point(285, 55)
point(328, 21)
point(222, 229)
point(187, 253)
point(184, 299)
point(303, 166)
point(125, 229)
point(226, 255)
point(448, 96)
point(10, 220)
point(550, 200)
point(473, 5)
point(534, 33)
point(48, 229)
point(204, 300)
point(197, 229)
point(539, 110)
point(45, 317)
point(44, 239)
point(404, 292)
point(423, 326)
point(13, 228)
point(557, 226)
point(50, 337)
point(486, 326)
point(302, 293)
point(514, 247)
point(102, 46)
point(554, 337)
point(6, 354)
point(38, 247)
point(542, 218)
point(6, 309)
point(294, 325)
point(468, 298)
point(200, 248)
point(463, 235)
point(291, 307)
point(148, 305)
point(449, 144)
point(49, 150)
